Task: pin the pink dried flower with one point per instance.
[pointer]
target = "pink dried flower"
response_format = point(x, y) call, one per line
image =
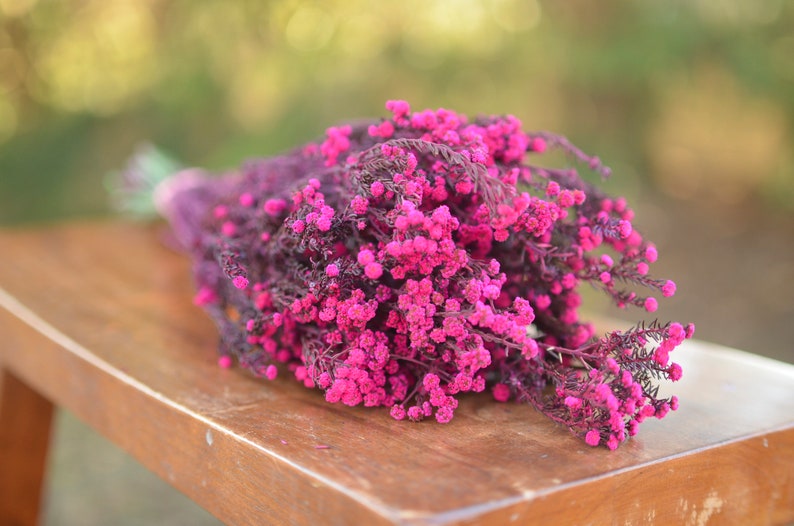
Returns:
point(373, 270)
point(400, 263)
point(224, 362)
point(651, 304)
point(501, 393)
point(246, 199)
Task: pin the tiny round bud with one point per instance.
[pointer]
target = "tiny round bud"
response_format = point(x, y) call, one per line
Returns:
point(225, 361)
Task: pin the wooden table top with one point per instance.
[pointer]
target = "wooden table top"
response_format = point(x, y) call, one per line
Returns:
point(98, 317)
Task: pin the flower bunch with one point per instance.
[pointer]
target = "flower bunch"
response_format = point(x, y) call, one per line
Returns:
point(403, 262)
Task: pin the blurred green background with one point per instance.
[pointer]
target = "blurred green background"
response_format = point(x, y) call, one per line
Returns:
point(690, 101)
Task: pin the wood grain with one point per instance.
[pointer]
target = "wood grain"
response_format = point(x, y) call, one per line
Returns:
point(102, 320)
point(25, 420)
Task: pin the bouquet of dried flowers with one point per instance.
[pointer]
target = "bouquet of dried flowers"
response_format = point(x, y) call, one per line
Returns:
point(403, 262)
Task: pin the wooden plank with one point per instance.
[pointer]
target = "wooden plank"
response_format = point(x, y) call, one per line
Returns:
point(104, 312)
point(25, 420)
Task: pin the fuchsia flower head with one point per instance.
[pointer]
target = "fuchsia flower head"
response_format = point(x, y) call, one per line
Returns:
point(403, 262)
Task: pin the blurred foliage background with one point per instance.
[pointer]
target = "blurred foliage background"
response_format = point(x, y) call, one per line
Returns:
point(692, 97)
point(690, 101)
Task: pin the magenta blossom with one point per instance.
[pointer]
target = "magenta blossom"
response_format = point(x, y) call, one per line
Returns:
point(404, 262)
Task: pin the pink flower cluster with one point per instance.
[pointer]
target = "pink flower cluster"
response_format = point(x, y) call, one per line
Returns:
point(404, 262)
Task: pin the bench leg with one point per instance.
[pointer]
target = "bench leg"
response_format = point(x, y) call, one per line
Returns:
point(25, 419)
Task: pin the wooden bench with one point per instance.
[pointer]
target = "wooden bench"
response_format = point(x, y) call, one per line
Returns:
point(97, 318)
